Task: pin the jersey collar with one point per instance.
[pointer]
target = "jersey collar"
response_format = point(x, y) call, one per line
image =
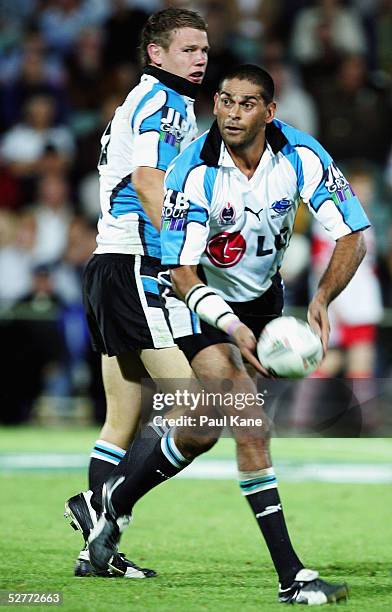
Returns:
point(180, 85)
point(211, 151)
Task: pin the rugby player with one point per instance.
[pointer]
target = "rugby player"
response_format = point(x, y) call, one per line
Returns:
point(121, 293)
point(229, 209)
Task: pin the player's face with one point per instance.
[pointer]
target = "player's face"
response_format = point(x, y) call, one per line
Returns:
point(241, 113)
point(186, 56)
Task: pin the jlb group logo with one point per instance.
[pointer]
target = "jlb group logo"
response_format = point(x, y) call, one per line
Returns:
point(172, 127)
point(227, 215)
point(337, 185)
point(175, 211)
point(226, 249)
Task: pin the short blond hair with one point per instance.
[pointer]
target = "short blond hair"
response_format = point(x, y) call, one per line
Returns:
point(160, 25)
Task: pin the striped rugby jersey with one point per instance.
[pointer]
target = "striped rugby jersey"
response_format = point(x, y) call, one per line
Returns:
point(239, 229)
point(155, 123)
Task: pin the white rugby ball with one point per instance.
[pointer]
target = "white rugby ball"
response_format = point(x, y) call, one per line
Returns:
point(289, 348)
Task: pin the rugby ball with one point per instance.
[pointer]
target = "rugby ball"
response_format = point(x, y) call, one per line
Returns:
point(289, 348)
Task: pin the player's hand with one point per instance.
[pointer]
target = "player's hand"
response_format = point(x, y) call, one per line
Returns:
point(318, 321)
point(246, 342)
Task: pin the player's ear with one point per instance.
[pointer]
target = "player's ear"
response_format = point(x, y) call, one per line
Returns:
point(216, 98)
point(155, 54)
point(271, 110)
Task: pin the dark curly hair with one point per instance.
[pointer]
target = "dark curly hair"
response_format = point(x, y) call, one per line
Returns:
point(254, 74)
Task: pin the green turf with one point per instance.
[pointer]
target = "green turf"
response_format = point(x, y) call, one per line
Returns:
point(203, 541)
point(80, 440)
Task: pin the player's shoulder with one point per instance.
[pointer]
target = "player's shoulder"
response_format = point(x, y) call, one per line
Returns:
point(297, 139)
point(187, 161)
point(173, 98)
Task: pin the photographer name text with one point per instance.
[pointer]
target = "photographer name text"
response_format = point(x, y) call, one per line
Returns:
point(204, 421)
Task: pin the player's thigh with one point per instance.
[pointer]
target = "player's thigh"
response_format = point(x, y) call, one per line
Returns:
point(169, 366)
point(218, 361)
point(122, 378)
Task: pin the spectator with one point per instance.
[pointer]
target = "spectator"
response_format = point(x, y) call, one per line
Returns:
point(294, 105)
point(355, 114)
point(221, 55)
point(16, 256)
point(121, 33)
point(35, 326)
point(321, 34)
point(84, 77)
point(62, 21)
point(37, 146)
point(52, 212)
point(10, 192)
point(29, 72)
point(383, 27)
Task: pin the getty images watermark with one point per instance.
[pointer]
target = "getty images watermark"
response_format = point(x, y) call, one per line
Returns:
point(333, 408)
point(205, 402)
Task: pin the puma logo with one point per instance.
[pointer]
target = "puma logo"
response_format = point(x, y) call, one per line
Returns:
point(253, 212)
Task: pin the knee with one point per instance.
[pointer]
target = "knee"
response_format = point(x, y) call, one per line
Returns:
point(192, 445)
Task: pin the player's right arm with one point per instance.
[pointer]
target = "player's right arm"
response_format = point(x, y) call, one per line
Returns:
point(154, 150)
point(148, 184)
point(213, 309)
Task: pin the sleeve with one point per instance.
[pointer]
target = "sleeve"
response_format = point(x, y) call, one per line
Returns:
point(328, 194)
point(185, 218)
point(159, 128)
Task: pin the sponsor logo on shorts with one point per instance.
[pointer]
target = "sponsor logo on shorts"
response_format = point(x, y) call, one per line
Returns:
point(226, 249)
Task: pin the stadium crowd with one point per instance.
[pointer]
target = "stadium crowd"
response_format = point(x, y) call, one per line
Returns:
point(65, 65)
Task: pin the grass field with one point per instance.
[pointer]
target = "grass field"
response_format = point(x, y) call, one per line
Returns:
point(198, 534)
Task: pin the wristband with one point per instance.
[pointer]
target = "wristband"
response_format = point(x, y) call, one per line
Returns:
point(232, 326)
point(210, 307)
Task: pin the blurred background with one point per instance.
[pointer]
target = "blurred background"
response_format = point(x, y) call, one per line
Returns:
point(64, 67)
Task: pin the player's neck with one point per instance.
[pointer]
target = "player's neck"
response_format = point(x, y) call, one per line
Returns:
point(247, 158)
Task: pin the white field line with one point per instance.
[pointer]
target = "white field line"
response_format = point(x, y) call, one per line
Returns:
point(218, 469)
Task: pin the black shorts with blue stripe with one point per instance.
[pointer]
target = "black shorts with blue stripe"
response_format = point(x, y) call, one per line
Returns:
point(122, 300)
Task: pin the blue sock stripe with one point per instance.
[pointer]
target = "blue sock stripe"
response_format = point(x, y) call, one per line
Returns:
point(262, 480)
point(248, 487)
point(172, 453)
point(260, 487)
point(106, 456)
point(112, 453)
point(168, 454)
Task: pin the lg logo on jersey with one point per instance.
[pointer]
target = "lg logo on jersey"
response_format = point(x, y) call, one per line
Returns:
point(226, 249)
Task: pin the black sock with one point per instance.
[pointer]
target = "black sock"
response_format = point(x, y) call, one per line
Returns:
point(104, 458)
point(149, 461)
point(267, 508)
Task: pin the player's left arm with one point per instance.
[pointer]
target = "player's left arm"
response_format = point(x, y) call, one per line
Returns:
point(332, 201)
point(213, 309)
point(346, 257)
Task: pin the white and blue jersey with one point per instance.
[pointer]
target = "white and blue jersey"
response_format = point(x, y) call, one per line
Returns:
point(238, 228)
point(154, 124)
